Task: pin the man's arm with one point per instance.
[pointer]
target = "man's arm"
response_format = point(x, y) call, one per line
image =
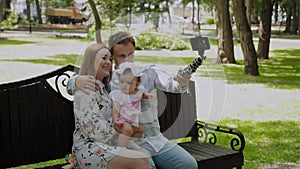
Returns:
point(165, 82)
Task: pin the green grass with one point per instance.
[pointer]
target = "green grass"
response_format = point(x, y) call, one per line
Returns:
point(13, 42)
point(266, 142)
point(59, 60)
point(281, 71)
point(41, 164)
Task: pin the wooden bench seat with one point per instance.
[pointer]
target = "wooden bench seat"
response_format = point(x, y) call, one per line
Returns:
point(37, 123)
point(222, 157)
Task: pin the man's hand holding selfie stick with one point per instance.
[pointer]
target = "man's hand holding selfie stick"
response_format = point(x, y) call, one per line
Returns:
point(199, 44)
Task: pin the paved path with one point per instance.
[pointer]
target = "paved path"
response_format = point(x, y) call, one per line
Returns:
point(214, 97)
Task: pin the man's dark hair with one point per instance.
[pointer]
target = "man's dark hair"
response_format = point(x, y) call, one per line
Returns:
point(119, 38)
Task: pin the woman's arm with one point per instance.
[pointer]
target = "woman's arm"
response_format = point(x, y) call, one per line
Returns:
point(89, 115)
point(84, 83)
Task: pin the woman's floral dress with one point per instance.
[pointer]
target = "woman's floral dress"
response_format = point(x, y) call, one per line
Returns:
point(94, 140)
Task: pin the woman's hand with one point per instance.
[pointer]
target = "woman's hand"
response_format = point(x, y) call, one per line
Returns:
point(87, 84)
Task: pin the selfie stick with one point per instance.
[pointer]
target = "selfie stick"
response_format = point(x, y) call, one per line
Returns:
point(199, 44)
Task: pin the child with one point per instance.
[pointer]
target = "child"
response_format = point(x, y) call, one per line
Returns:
point(127, 103)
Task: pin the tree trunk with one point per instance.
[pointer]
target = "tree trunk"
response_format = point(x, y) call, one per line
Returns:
point(28, 12)
point(1, 10)
point(275, 10)
point(298, 17)
point(225, 42)
point(295, 18)
point(265, 30)
point(97, 21)
point(6, 9)
point(198, 16)
point(193, 12)
point(168, 11)
point(249, 6)
point(38, 11)
point(288, 25)
point(245, 34)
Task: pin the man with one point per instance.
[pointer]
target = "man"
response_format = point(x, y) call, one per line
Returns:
point(165, 153)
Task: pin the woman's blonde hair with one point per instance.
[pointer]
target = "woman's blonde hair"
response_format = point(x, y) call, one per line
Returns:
point(87, 65)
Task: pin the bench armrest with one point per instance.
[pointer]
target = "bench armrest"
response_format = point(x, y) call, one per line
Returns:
point(208, 133)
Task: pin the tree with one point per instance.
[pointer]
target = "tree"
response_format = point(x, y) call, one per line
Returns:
point(245, 34)
point(38, 11)
point(298, 17)
point(225, 42)
point(28, 14)
point(290, 7)
point(6, 8)
point(1, 10)
point(265, 29)
point(97, 21)
point(198, 14)
point(249, 6)
point(295, 18)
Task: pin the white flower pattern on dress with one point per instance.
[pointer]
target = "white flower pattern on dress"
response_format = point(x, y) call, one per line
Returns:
point(94, 140)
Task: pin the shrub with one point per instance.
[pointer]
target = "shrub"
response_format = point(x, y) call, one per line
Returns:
point(210, 21)
point(11, 20)
point(155, 40)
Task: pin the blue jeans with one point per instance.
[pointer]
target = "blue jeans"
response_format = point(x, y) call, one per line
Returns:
point(175, 158)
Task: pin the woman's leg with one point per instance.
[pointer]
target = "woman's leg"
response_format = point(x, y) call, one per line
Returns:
point(129, 159)
point(175, 158)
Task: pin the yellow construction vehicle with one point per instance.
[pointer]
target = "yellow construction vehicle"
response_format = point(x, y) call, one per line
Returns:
point(65, 15)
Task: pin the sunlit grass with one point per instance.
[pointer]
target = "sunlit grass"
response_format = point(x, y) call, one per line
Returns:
point(281, 71)
point(41, 164)
point(266, 142)
point(59, 60)
point(14, 42)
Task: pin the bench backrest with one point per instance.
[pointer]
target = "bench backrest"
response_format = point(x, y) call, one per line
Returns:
point(37, 123)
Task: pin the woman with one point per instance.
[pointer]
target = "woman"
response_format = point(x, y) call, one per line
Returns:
point(94, 140)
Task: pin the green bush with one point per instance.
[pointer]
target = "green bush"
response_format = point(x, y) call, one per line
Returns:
point(210, 21)
point(11, 20)
point(157, 40)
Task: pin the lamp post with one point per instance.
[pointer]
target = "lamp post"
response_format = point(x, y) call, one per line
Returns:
point(30, 27)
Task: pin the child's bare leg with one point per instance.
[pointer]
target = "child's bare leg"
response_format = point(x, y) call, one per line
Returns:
point(126, 132)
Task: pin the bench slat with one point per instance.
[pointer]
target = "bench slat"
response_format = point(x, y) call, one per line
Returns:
point(213, 156)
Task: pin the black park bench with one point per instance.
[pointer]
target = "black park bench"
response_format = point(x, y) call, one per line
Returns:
point(37, 123)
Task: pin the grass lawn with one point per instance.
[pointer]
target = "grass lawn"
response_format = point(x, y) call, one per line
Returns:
point(13, 42)
point(266, 142)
